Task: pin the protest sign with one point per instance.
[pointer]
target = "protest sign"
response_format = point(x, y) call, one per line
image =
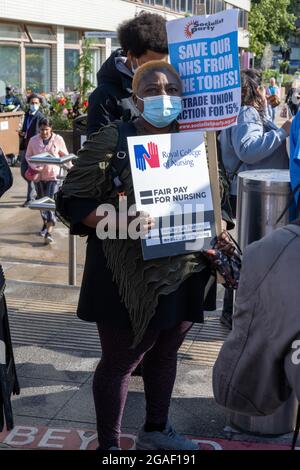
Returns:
point(171, 183)
point(204, 51)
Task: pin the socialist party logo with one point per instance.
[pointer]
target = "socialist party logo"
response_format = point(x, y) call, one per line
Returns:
point(142, 156)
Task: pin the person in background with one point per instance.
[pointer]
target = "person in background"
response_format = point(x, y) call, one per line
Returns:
point(273, 97)
point(142, 38)
point(46, 175)
point(254, 143)
point(293, 97)
point(30, 128)
point(11, 99)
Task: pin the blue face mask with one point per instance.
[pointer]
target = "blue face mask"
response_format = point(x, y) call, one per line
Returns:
point(161, 110)
point(34, 107)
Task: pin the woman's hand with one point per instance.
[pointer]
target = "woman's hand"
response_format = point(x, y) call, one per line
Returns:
point(143, 221)
point(225, 244)
point(38, 168)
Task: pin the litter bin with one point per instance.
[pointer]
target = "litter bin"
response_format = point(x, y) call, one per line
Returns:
point(262, 197)
point(10, 124)
point(79, 132)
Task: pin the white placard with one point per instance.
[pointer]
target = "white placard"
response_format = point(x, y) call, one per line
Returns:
point(204, 51)
point(170, 176)
point(4, 126)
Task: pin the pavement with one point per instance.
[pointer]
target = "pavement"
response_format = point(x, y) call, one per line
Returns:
point(56, 353)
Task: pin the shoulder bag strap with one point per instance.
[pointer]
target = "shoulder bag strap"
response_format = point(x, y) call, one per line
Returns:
point(120, 158)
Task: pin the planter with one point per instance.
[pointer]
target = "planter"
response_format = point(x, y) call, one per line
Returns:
point(67, 135)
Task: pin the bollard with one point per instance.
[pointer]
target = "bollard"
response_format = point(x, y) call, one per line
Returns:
point(72, 260)
point(262, 197)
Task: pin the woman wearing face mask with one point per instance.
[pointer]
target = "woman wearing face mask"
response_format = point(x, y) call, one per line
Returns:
point(46, 177)
point(30, 128)
point(143, 309)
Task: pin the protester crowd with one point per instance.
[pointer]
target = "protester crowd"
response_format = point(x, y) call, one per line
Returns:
point(153, 304)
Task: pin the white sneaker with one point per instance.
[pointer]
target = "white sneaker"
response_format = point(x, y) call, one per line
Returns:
point(48, 239)
point(165, 440)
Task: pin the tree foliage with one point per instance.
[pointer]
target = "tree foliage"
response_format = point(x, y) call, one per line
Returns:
point(270, 21)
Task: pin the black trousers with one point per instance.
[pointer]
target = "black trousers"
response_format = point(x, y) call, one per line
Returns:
point(8, 378)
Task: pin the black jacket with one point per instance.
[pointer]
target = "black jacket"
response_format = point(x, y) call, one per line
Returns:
point(111, 100)
point(34, 126)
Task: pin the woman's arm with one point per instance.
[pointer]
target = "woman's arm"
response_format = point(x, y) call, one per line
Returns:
point(251, 143)
point(62, 148)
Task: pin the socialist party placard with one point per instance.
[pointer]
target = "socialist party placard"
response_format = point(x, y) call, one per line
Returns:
point(171, 183)
point(204, 51)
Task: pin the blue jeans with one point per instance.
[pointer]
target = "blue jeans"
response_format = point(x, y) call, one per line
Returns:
point(47, 188)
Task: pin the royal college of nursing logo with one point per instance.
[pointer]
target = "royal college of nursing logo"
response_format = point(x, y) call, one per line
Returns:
point(150, 156)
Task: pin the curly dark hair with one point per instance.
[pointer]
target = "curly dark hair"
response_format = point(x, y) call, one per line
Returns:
point(251, 81)
point(147, 31)
point(34, 95)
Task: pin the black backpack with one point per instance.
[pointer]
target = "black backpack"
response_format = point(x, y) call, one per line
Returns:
point(6, 177)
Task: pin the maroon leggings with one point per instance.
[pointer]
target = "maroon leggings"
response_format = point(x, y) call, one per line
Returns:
point(158, 349)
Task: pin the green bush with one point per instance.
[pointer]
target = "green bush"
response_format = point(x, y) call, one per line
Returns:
point(61, 122)
point(269, 73)
point(287, 80)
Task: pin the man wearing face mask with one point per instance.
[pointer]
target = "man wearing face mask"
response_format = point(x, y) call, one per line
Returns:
point(30, 128)
point(142, 39)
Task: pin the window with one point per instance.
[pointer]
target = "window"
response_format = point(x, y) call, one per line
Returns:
point(183, 5)
point(98, 41)
point(115, 44)
point(98, 56)
point(208, 7)
point(11, 31)
point(72, 37)
point(71, 74)
point(41, 33)
point(10, 65)
point(219, 6)
point(243, 19)
point(38, 69)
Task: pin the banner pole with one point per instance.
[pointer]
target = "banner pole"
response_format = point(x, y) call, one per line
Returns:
point(213, 169)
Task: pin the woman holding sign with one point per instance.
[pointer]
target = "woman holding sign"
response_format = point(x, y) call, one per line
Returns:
point(143, 309)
